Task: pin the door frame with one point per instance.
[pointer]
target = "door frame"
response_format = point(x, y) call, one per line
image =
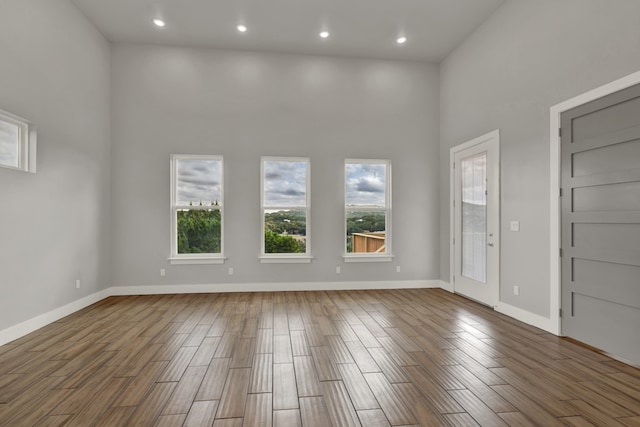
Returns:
point(555, 322)
point(492, 137)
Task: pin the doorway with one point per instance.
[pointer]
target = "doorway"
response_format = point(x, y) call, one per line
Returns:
point(475, 219)
point(600, 210)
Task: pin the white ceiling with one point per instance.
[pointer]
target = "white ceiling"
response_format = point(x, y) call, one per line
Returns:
point(359, 28)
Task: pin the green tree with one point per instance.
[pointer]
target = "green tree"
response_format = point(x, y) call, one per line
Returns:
point(199, 231)
point(291, 222)
point(275, 243)
point(365, 222)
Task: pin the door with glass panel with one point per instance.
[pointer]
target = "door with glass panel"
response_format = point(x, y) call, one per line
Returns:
point(475, 228)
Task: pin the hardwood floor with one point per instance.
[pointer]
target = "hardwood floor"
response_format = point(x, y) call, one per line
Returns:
point(341, 358)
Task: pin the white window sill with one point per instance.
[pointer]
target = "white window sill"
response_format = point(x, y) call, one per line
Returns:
point(285, 259)
point(196, 260)
point(367, 258)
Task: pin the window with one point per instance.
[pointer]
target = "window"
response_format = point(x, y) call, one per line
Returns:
point(368, 210)
point(285, 210)
point(196, 210)
point(17, 143)
point(474, 217)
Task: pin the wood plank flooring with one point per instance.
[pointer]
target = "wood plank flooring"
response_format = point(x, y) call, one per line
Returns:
point(342, 358)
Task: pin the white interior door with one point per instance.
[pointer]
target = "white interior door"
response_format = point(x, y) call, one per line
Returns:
point(475, 234)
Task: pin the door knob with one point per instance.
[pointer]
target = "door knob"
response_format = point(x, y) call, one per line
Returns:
point(490, 243)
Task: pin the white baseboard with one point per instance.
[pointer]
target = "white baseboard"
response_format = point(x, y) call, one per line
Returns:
point(21, 329)
point(271, 287)
point(524, 316)
point(28, 326)
point(446, 286)
point(529, 318)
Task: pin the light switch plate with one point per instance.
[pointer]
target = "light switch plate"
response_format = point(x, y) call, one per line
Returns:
point(515, 225)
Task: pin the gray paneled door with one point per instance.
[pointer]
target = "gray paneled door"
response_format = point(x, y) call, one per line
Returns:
point(601, 223)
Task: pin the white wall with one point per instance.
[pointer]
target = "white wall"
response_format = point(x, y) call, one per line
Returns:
point(243, 105)
point(529, 56)
point(54, 225)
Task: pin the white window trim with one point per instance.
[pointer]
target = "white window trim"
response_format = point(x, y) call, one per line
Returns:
point(370, 257)
point(285, 258)
point(27, 142)
point(367, 258)
point(183, 259)
point(193, 260)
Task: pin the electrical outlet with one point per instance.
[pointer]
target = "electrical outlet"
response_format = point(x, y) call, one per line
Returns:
point(78, 284)
point(338, 270)
point(230, 271)
point(516, 290)
point(515, 225)
point(162, 272)
point(397, 269)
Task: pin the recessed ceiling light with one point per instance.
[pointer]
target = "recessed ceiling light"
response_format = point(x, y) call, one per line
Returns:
point(242, 28)
point(401, 40)
point(324, 34)
point(159, 22)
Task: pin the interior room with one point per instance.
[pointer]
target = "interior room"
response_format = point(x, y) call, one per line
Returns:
point(418, 212)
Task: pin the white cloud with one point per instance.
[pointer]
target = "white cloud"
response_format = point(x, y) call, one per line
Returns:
point(365, 184)
point(285, 183)
point(199, 181)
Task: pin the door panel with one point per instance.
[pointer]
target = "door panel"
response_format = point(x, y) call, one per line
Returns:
point(607, 117)
point(615, 157)
point(475, 228)
point(589, 275)
point(618, 197)
point(601, 223)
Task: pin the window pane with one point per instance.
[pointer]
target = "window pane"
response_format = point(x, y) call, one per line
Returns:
point(285, 183)
point(199, 182)
point(366, 232)
point(285, 231)
point(199, 231)
point(365, 184)
point(9, 144)
point(474, 217)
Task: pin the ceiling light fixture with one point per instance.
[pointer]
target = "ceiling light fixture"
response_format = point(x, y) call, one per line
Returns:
point(401, 40)
point(324, 34)
point(242, 28)
point(159, 22)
